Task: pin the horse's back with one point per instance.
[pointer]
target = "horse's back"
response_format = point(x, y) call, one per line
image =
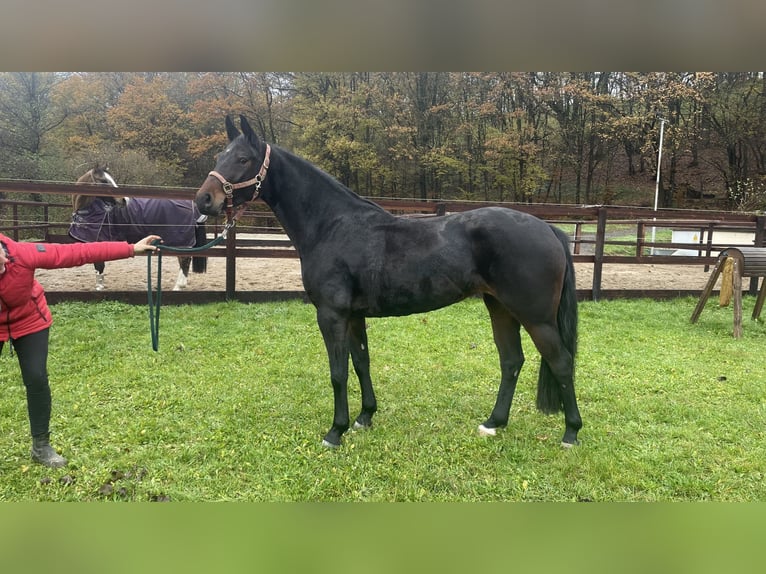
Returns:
point(399, 266)
point(174, 220)
point(515, 230)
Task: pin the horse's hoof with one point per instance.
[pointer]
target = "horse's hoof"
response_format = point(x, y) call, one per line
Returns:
point(569, 444)
point(327, 444)
point(484, 431)
point(360, 426)
point(100, 287)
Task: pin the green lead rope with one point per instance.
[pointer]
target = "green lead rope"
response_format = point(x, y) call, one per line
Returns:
point(154, 305)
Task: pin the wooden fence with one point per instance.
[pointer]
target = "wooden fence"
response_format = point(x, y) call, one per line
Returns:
point(600, 235)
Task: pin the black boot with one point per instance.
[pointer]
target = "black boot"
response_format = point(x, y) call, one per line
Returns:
point(43, 452)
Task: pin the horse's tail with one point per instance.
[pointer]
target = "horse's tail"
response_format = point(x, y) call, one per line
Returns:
point(548, 395)
point(199, 263)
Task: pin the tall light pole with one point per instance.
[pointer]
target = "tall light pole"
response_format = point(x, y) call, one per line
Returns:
point(657, 185)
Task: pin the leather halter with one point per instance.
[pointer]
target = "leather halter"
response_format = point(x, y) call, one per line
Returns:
point(228, 187)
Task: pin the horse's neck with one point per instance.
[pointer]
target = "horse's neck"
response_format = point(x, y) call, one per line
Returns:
point(83, 202)
point(308, 201)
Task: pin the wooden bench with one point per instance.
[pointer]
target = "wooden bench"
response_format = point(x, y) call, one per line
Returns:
point(745, 262)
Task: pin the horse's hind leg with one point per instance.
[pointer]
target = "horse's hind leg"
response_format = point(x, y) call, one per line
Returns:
point(360, 356)
point(183, 273)
point(556, 384)
point(507, 335)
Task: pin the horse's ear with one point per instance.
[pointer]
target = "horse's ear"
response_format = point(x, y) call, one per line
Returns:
point(231, 129)
point(248, 131)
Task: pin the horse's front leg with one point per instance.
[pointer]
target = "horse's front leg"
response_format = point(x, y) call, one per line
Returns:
point(360, 355)
point(334, 330)
point(100, 266)
point(182, 281)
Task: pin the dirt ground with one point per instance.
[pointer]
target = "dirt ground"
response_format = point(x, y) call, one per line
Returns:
point(284, 275)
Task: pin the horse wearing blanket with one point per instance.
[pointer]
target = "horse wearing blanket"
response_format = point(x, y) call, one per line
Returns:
point(107, 218)
point(358, 260)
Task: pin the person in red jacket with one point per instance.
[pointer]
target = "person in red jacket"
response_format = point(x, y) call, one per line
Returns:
point(25, 318)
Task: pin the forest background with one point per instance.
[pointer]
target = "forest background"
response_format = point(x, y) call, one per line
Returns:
point(563, 137)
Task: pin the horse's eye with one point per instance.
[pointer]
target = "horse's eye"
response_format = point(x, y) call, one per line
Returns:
point(243, 160)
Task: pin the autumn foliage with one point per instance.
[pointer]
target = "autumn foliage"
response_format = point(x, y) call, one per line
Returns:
point(585, 137)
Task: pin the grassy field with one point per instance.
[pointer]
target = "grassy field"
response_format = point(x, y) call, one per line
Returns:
point(234, 406)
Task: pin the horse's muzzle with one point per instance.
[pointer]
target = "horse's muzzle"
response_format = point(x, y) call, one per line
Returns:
point(210, 198)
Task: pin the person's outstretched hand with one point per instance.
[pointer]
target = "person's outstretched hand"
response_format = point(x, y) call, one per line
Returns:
point(146, 244)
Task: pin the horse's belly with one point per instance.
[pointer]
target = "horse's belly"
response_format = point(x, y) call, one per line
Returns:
point(407, 306)
point(421, 294)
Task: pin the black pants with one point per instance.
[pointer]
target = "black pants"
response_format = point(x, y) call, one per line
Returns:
point(32, 351)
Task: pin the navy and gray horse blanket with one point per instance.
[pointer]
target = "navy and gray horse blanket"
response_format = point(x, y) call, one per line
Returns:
point(173, 220)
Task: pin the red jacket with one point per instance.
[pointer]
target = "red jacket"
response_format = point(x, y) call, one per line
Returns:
point(23, 308)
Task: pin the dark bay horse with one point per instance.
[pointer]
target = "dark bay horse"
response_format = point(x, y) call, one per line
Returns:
point(107, 218)
point(358, 260)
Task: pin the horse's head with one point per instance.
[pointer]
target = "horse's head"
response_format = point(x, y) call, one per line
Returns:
point(99, 175)
point(239, 170)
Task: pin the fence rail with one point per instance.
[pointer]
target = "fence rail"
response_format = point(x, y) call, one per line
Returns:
point(600, 234)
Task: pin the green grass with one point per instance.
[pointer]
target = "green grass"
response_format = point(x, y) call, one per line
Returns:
point(236, 402)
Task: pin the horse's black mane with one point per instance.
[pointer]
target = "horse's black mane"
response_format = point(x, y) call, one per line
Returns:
point(332, 181)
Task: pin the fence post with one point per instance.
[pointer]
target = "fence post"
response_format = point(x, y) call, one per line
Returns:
point(598, 257)
point(15, 222)
point(577, 237)
point(231, 263)
point(709, 243)
point(760, 221)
